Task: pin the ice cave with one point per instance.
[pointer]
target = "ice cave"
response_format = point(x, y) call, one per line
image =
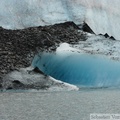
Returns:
point(83, 70)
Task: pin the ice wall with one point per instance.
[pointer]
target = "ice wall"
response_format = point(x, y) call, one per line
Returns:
point(103, 16)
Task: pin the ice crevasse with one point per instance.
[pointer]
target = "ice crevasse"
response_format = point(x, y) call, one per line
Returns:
point(103, 16)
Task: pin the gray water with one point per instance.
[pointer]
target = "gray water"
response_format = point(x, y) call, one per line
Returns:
point(73, 105)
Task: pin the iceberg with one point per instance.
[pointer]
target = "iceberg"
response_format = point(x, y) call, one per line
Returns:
point(80, 69)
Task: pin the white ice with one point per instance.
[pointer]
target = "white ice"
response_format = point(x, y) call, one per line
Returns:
point(27, 78)
point(95, 44)
point(103, 16)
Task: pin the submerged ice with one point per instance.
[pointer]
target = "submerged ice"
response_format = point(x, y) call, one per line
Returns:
point(80, 69)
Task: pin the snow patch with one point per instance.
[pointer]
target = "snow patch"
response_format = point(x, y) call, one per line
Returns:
point(66, 49)
point(95, 44)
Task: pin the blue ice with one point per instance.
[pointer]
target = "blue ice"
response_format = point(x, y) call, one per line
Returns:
point(80, 69)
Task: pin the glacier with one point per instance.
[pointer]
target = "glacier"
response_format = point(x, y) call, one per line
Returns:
point(93, 61)
point(101, 15)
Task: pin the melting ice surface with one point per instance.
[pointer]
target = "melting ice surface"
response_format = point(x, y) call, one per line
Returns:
point(80, 69)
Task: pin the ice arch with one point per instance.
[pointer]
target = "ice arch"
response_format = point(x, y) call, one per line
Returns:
point(80, 69)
